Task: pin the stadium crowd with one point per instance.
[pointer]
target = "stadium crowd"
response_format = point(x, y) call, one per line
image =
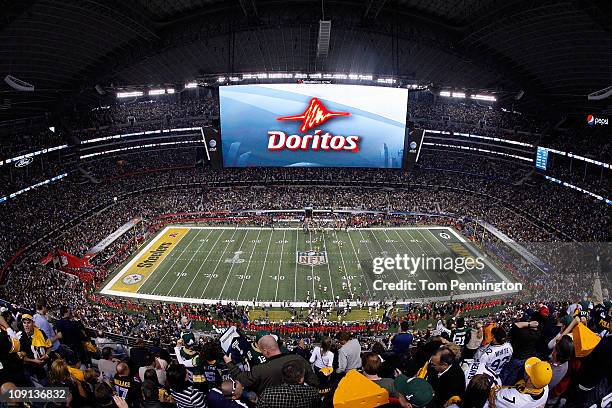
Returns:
point(536, 354)
point(457, 362)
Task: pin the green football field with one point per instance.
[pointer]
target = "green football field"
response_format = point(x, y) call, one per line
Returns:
point(252, 264)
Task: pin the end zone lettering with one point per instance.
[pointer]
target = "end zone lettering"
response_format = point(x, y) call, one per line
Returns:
point(154, 256)
point(278, 140)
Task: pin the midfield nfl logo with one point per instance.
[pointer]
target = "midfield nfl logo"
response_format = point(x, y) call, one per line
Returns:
point(312, 258)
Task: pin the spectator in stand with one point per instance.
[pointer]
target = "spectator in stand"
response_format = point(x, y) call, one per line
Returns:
point(107, 365)
point(71, 333)
point(302, 350)
point(125, 386)
point(530, 392)
point(34, 346)
point(322, 360)
point(413, 392)
point(163, 395)
point(150, 396)
point(270, 373)
point(40, 320)
point(292, 392)
point(476, 336)
point(183, 393)
point(476, 393)
point(446, 377)
point(228, 395)
point(371, 363)
point(151, 363)
point(497, 354)
point(138, 355)
point(349, 354)
point(402, 341)
point(524, 336)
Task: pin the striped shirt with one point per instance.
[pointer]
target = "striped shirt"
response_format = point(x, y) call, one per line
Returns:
point(189, 398)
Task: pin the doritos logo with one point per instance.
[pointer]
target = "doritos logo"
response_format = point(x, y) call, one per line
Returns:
point(315, 114)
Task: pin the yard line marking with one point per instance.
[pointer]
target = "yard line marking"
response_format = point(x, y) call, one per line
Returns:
point(395, 273)
point(362, 273)
point(409, 249)
point(343, 265)
point(263, 267)
point(248, 264)
point(232, 266)
point(279, 266)
point(446, 249)
point(203, 263)
point(371, 256)
point(475, 251)
point(314, 294)
point(187, 265)
point(297, 238)
point(174, 262)
point(229, 241)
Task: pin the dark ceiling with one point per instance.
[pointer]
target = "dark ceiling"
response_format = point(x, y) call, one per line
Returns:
point(555, 51)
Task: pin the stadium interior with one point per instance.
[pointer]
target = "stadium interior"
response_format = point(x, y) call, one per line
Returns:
point(302, 204)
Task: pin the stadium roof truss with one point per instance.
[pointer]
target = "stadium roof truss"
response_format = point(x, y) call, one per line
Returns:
point(557, 52)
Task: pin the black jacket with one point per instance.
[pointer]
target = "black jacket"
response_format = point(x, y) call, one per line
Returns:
point(270, 374)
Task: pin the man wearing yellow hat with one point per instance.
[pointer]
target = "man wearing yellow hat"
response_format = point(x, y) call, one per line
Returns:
point(531, 392)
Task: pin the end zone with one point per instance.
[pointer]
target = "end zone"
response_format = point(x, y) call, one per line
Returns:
point(139, 269)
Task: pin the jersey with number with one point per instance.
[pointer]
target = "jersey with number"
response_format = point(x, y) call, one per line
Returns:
point(254, 357)
point(459, 335)
point(478, 367)
point(510, 397)
point(495, 356)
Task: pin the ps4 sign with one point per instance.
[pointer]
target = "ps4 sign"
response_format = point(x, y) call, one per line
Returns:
point(594, 121)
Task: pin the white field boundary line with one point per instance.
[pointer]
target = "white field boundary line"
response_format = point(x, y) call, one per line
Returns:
point(229, 227)
point(175, 299)
point(445, 247)
point(174, 262)
point(248, 264)
point(476, 252)
point(133, 261)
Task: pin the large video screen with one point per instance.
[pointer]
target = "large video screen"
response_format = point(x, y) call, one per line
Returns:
point(312, 125)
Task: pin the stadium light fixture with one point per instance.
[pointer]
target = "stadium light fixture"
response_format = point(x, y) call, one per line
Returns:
point(366, 77)
point(445, 93)
point(458, 95)
point(479, 97)
point(353, 76)
point(191, 85)
point(315, 76)
point(156, 92)
point(170, 90)
point(234, 79)
point(221, 79)
point(299, 75)
point(385, 80)
point(131, 94)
